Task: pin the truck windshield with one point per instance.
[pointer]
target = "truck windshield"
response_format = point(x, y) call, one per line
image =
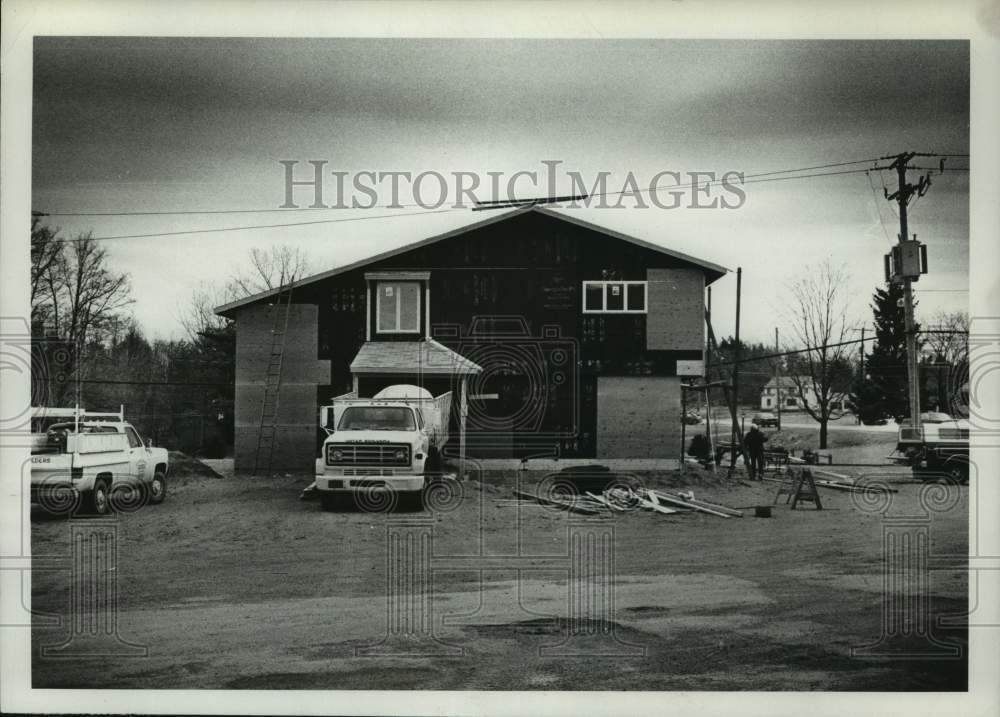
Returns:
point(376, 418)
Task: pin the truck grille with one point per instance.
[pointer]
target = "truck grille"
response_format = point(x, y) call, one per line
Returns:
point(367, 454)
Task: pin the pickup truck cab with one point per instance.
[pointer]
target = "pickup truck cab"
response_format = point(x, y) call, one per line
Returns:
point(391, 441)
point(940, 445)
point(97, 459)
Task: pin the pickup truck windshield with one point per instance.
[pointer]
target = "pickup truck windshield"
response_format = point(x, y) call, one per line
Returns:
point(376, 418)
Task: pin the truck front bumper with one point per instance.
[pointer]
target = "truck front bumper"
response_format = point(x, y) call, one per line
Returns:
point(351, 484)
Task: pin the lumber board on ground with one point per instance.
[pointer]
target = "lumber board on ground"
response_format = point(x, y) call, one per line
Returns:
point(733, 512)
point(561, 504)
point(604, 501)
point(848, 487)
point(838, 476)
point(693, 505)
point(651, 503)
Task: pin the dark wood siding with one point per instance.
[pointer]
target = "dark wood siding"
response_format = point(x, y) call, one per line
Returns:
point(530, 269)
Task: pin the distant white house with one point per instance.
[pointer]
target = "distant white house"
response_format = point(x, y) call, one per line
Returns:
point(789, 396)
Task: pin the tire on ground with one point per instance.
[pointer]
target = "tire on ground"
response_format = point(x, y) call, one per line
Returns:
point(331, 501)
point(411, 501)
point(158, 488)
point(433, 463)
point(97, 501)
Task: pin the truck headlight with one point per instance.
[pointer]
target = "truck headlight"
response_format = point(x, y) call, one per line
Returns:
point(399, 455)
point(337, 455)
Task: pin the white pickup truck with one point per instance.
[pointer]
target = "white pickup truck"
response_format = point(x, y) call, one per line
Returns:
point(94, 458)
point(939, 446)
point(392, 441)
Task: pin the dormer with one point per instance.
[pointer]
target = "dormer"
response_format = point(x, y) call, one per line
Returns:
point(398, 305)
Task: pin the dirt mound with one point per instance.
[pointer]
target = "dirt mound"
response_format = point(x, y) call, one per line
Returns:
point(184, 466)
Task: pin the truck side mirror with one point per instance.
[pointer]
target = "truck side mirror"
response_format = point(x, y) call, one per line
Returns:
point(149, 443)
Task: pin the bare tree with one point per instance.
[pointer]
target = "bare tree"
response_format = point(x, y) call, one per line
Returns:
point(79, 297)
point(947, 342)
point(270, 269)
point(266, 269)
point(46, 252)
point(818, 315)
point(199, 316)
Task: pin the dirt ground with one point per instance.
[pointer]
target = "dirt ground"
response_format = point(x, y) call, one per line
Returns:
point(234, 582)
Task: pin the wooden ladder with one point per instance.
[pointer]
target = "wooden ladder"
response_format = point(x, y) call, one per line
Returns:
point(267, 433)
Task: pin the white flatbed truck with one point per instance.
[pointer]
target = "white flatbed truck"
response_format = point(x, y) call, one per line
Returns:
point(390, 442)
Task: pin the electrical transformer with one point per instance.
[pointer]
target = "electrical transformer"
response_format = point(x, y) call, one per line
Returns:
point(907, 260)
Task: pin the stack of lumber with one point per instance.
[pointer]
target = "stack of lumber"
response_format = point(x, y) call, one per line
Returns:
point(622, 500)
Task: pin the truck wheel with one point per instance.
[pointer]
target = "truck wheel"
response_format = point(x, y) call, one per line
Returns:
point(331, 501)
point(411, 501)
point(958, 471)
point(98, 501)
point(158, 488)
point(433, 463)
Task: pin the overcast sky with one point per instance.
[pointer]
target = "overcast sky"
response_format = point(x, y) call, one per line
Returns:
point(133, 125)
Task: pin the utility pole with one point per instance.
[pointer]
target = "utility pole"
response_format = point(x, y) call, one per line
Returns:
point(861, 378)
point(862, 351)
point(736, 377)
point(777, 376)
point(708, 379)
point(902, 197)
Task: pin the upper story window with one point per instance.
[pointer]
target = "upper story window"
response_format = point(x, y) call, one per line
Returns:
point(614, 297)
point(397, 307)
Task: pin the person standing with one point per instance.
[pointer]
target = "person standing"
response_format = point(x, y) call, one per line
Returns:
point(754, 442)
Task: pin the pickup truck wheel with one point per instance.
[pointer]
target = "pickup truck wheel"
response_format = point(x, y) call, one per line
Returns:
point(158, 488)
point(958, 471)
point(98, 500)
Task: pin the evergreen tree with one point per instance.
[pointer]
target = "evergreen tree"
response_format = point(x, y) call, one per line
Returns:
point(882, 392)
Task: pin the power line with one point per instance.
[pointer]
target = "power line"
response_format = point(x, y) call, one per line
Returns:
point(394, 205)
point(746, 179)
point(149, 383)
point(253, 226)
point(878, 207)
point(438, 211)
point(830, 346)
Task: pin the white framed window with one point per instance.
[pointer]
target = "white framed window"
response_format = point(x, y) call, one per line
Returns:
point(614, 297)
point(397, 307)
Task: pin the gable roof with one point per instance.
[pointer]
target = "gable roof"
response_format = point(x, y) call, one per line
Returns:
point(421, 357)
point(712, 271)
point(789, 382)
